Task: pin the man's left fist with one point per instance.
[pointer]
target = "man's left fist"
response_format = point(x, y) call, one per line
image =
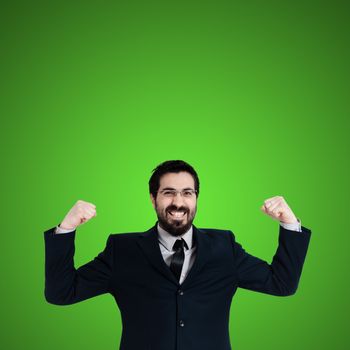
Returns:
point(278, 209)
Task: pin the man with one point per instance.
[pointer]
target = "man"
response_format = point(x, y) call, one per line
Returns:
point(173, 283)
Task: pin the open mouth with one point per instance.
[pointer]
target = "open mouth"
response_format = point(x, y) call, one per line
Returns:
point(177, 214)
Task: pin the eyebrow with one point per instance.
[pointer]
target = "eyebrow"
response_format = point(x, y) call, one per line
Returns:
point(172, 188)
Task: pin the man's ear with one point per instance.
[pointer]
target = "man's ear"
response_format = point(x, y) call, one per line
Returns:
point(153, 201)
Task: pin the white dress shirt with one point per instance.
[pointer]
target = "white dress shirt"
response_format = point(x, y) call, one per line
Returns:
point(166, 243)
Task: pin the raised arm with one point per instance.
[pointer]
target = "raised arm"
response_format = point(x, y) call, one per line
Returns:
point(282, 276)
point(64, 284)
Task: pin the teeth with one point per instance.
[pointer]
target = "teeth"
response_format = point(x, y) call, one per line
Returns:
point(177, 214)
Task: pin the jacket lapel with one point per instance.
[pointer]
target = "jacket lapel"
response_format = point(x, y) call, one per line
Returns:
point(148, 242)
point(203, 254)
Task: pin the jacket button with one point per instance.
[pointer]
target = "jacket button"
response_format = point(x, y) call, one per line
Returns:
point(180, 292)
point(182, 323)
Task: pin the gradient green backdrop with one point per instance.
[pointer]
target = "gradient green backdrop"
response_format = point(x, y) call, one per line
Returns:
point(253, 94)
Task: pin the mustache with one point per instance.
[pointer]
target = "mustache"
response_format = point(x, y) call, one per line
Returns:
point(175, 208)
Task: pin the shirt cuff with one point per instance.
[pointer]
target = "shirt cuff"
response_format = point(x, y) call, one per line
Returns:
point(292, 227)
point(59, 230)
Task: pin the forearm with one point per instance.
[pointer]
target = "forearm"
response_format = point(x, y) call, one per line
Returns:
point(288, 262)
point(59, 267)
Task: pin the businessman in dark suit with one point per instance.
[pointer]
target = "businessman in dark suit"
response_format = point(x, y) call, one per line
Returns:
point(173, 283)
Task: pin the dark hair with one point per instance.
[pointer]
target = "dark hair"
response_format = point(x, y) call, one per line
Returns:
point(171, 166)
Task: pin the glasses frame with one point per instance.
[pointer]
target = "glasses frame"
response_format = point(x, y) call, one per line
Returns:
point(175, 192)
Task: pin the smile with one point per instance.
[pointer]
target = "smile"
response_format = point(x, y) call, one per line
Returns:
point(177, 214)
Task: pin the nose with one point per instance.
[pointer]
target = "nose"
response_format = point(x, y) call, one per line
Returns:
point(177, 199)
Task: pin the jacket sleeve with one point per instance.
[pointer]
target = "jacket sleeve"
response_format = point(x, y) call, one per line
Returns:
point(64, 284)
point(281, 277)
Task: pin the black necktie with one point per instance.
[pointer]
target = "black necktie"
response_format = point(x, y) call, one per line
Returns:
point(178, 257)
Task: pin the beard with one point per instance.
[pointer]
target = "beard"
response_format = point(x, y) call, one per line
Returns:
point(176, 227)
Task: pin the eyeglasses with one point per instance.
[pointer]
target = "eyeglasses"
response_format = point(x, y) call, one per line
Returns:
point(173, 193)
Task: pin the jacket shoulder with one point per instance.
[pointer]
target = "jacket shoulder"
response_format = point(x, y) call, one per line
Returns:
point(216, 233)
point(126, 235)
point(215, 230)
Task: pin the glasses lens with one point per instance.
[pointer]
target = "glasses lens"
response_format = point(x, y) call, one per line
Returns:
point(187, 193)
point(173, 193)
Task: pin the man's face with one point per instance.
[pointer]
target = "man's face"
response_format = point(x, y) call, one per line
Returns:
point(175, 213)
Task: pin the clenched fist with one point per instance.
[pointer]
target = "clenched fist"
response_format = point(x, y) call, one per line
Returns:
point(80, 213)
point(278, 209)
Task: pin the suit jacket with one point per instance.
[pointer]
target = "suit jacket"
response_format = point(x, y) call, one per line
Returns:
point(157, 312)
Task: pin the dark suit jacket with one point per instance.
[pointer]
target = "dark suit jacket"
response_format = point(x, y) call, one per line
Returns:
point(157, 312)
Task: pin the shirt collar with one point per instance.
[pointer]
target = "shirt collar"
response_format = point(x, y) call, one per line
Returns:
point(168, 240)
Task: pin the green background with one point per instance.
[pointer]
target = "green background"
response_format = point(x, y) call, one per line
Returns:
point(253, 94)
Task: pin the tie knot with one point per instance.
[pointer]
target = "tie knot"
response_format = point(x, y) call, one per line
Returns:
point(179, 244)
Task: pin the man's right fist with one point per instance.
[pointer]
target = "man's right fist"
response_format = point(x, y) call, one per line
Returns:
point(80, 213)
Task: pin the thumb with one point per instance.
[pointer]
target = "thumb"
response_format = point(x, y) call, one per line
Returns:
point(262, 208)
